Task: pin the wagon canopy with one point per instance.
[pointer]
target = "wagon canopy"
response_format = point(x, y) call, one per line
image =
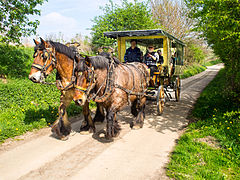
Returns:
point(141, 33)
point(162, 40)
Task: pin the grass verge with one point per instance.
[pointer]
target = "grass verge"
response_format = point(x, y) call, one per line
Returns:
point(26, 106)
point(192, 70)
point(212, 62)
point(210, 147)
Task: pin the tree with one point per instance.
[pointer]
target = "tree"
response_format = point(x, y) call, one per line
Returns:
point(218, 22)
point(14, 19)
point(172, 16)
point(127, 16)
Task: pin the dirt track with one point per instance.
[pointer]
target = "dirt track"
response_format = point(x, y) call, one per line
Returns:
point(135, 154)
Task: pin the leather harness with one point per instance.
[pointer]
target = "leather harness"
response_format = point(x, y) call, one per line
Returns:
point(110, 84)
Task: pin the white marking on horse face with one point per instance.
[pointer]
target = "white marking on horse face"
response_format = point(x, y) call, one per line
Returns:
point(36, 77)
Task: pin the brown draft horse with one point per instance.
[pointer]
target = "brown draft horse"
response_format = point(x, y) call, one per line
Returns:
point(114, 86)
point(48, 56)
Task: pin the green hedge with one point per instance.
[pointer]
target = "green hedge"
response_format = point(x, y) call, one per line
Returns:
point(15, 62)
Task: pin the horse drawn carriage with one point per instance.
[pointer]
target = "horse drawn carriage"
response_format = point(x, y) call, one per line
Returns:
point(166, 83)
point(111, 84)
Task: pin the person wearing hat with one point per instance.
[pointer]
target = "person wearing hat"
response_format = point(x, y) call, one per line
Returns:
point(133, 54)
point(151, 58)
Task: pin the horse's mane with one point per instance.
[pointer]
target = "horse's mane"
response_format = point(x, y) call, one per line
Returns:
point(61, 48)
point(109, 56)
point(98, 62)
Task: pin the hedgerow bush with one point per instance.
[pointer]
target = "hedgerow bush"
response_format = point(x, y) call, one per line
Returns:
point(15, 62)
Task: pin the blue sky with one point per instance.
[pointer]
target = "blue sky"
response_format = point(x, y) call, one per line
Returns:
point(68, 16)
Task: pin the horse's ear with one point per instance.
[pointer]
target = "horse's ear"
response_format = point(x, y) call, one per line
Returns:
point(36, 42)
point(43, 42)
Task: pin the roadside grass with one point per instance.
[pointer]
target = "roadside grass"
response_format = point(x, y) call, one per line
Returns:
point(212, 62)
point(192, 70)
point(26, 106)
point(216, 119)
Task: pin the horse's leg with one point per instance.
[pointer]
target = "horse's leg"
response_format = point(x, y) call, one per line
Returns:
point(87, 125)
point(100, 115)
point(134, 109)
point(62, 127)
point(113, 127)
point(139, 113)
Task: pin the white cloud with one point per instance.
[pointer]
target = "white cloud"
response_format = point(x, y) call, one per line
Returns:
point(55, 22)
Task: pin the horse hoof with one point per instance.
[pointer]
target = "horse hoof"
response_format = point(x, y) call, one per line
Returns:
point(98, 123)
point(84, 132)
point(136, 127)
point(87, 130)
point(64, 138)
point(108, 138)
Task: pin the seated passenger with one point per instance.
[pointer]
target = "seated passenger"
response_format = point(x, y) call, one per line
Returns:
point(150, 59)
point(160, 56)
point(133, 54)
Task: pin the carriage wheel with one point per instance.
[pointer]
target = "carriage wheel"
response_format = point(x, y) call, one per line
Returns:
point(177, 88)
point(160, 100)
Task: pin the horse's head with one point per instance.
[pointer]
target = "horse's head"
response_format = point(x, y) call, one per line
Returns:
point(85, 81)
point(44, 61)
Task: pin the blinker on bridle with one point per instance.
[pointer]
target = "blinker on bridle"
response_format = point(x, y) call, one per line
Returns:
point(47, 53)
point(91, 79)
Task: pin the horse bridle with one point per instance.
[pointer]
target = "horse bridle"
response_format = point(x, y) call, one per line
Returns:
point(47, 53)
point(92, 80)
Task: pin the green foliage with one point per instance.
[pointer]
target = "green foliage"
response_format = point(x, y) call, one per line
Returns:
point(195, 53)
point(14, 19)
point(218, 117)
point(127, 16)
point(218, 22)
point(192, 70)
point(212, 62)
point(26, 106)
point(15, 62)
